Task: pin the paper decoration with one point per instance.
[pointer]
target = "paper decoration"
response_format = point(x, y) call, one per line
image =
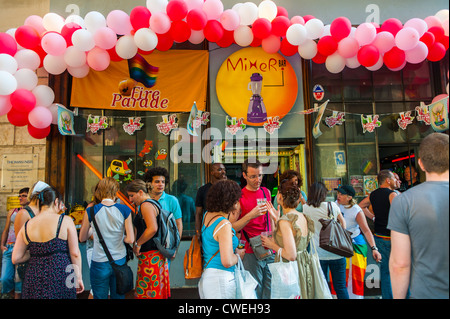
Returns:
point(133, 125)
point(146, 149)
point(96, 123)
point(405, 120)
point(168, 124)
point(318, 92)
point(272, 124)
point(439, 115)
point(423, 114)
point(203, 118)
point(316, 128)
point(161, 155)
point(232, 125)
point(118, 169)
point(336, 119)
point(142, 71)
point(192, 123)
point(370, 184)
point(65, 121)
point(369, 123)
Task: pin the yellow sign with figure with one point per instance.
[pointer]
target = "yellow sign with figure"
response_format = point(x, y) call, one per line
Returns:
point(255, 85)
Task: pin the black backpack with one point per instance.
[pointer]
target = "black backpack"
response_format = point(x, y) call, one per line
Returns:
point(167, 238)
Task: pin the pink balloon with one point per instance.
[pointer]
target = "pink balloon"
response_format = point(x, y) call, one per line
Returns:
point(439, 97)
point(213, 9)
point(407, 39)
point(230, 20)
point(105, 38)
point(160, 23)
point(392, 25)
point(35, 21)
point(271, 44)
point(368, 55)
point(297, 20)
point(197, 19)
point(98, 59)
point(119, 21)
point(140, 17)
point(5, 105)
point(384, 41)
point(433, 21)
point(365, 33)
point(40, 117)
point(54, 43)
point(417, 54)
point(418, 24)
point(348, 47)
point(8, 44)
point(22, 100)
point(177, 10)
point(340, 28)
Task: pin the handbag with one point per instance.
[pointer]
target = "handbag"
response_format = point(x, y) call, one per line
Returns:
point(320, 284)
point(245, 283)
point(123, 273)
point(285, 280)
point(334, 238)
point(193, 260)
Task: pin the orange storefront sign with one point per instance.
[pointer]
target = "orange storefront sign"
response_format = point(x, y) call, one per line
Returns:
point(168, 81)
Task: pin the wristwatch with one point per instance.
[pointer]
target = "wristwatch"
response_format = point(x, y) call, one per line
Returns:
point(374, 248)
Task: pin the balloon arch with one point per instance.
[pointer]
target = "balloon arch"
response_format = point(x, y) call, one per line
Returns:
point(79, 44)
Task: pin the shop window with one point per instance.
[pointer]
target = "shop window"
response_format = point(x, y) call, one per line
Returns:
point(358, 84)
point(387, 85)
point(417, 82)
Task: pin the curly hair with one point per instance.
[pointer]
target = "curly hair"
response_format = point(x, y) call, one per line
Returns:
point(290, 193)
point(156, 171)
point(222, 196)
point(290, 174)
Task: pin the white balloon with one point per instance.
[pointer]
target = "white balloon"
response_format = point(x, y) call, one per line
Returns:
point(194, 4)
point(268, 10)
point(157, 5)
point(314, 28)
point(377, 65)
point(73, 18)
point(54, 110)
point(442, 15)
point(126, 48)
point(326, 30)
point(296, 34)
point(94, 20)
point(146, 39)
point(44, 95)
point(53, 22)
point(8, 63)
point(74, 57)
point(27, 59)
point(243, 36)
point(54, 64)
point(418, 24)
point(248, 13)
point(26, 79)
point(197, 37)
point(352, 63)
point(308, 49)
point(79, 72)
point(8, 83)
point(83, 40)
point(335, 63)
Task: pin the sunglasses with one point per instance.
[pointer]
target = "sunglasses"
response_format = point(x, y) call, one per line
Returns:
point(24, 196)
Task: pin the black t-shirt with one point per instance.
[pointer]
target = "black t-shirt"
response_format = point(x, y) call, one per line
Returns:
point(200, 200)
point(140, 225)
point(379, 199)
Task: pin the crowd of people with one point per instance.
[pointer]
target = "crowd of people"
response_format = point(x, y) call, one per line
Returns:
point(42, 259)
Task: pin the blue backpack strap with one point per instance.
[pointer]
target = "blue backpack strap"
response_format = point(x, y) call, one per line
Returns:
point(30, 211)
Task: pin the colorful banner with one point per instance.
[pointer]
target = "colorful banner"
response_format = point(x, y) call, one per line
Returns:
point(316, 128)
point(439, 115)
point(65, 121)
point(162, 81)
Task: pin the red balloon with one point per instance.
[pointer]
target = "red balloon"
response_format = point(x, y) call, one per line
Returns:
point(256, 42)
point(280, 25)
point(428, 38)
point(392, 25)
point(140, 17)
point(282, 12)
point(177, 10)
point(340, 28)
point(68, 30)
point(27, 37)
point(165, 42)
point(227, 39)
point(17, 118)
point(113, 55)
point(319, 58)
point(308, 17)
point(38, 133)
point(327, 45)
point(368, 55)
point(288, 49)
point(261, 28)
point(438, 32)
point(436, 52)
point(394, 58)
point(180, 31)
point(197, 19)
point(22, 100)
point(214, 31)
point(8, 44)
point(445, 42)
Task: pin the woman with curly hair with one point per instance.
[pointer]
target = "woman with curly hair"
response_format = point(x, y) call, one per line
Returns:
point(219, 241)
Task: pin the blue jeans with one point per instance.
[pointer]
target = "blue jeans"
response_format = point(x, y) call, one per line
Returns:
point(337, 268)
point(8, 273)
point(259, 269)
point(103, 280)
point(384, 247)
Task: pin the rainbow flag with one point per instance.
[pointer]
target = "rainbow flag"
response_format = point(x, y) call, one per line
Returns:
point(142, 71)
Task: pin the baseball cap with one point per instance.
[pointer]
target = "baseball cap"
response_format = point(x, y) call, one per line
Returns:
point(347, 190)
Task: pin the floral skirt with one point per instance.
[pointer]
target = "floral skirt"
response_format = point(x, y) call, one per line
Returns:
point(152, 280)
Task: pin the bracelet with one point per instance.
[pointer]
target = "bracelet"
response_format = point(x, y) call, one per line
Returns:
point(374, 248)
point(136, 245)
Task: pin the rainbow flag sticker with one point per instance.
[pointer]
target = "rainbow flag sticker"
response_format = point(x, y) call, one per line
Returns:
point(142, 71)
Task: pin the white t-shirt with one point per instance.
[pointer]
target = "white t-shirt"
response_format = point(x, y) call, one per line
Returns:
point(350, 218)
point(316, 213)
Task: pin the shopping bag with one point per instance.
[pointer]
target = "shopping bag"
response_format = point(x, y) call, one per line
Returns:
point(193, 265)
point(285, 281)
point(245, 283)
point(321, 289)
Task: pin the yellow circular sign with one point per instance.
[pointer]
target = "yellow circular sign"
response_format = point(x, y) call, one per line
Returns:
point(255, 85)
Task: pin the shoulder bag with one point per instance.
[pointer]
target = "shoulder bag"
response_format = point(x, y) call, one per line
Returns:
point(123, 273)
point(334, 238)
